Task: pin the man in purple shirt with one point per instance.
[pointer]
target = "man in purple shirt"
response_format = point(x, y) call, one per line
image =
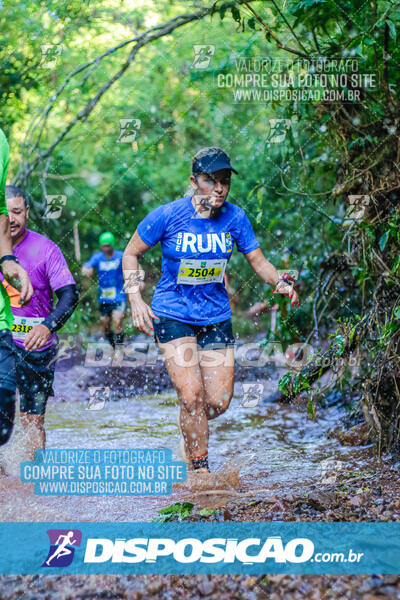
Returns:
point(35, 324)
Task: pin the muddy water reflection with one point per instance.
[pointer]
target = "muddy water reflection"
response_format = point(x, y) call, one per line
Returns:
point(275, 448)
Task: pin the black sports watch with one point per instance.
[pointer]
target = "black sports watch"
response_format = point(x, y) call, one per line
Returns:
point(9, 257)
point(285, 280)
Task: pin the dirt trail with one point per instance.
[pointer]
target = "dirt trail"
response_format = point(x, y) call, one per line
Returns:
point(286, 468)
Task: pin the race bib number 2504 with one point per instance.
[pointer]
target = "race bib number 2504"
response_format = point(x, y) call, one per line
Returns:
point(196, 272)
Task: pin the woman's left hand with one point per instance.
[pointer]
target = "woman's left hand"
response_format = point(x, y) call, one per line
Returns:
point(287, 289)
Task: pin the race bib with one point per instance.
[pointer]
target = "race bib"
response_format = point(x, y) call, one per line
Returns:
point(196, 272)
point(22, 325)
point(108, 293)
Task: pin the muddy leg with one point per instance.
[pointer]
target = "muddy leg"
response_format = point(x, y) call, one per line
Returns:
point(182, 363)
point(34, 432)
point(217, 372)
point(106, 324)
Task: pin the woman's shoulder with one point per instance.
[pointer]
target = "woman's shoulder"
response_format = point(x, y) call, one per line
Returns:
point(234, 209)
point(171, 206)
point(164, 214)
point(179, 203)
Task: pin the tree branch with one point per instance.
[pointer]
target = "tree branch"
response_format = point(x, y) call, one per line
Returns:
point(274, 37)
point(27, 166)
point(290, 27)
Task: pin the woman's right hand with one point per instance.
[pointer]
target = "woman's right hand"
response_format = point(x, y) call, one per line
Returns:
point(142, 316)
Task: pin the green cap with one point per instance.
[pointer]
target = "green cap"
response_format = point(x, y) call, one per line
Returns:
point(107, 238)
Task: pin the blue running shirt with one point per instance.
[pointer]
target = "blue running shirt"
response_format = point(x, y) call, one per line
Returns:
point(111, 279)
point(195, 251)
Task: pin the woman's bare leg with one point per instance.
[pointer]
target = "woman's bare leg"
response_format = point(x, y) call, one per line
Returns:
point(182, 363)
point(217, 373)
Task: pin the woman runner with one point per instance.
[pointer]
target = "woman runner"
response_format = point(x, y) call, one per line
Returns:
point(190, 309)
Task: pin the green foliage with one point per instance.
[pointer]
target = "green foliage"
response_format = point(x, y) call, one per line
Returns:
point(339, 341)
point(111, 185)
point(284, 187)
point(311, 410)
point(383, 239)
point(300, 383)
point(284, 382)
point(175, 512)
point(205, 512)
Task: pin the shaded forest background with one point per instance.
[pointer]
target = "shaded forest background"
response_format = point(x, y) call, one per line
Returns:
point(111, 60)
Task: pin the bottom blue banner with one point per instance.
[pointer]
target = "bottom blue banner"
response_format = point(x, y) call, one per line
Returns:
point(180, 548)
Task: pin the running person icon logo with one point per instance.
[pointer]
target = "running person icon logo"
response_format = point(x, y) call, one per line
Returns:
point(62, 547)
point(203, 54)
point(50, 55)
point(278, 130)
point(129, 129)
point(55, 204)
point(252, 394)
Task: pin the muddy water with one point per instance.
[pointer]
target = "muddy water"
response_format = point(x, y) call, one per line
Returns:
point(263, 451)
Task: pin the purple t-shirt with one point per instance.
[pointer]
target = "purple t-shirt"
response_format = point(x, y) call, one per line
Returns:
point(48, 271)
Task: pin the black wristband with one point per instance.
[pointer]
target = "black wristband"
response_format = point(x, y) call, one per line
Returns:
point(9, 257)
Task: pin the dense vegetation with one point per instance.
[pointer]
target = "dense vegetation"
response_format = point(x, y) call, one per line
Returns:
point(136, 60)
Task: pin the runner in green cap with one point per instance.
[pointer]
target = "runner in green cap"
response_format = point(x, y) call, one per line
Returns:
point(18, 278)
point(112, 298)
point(107, 238)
